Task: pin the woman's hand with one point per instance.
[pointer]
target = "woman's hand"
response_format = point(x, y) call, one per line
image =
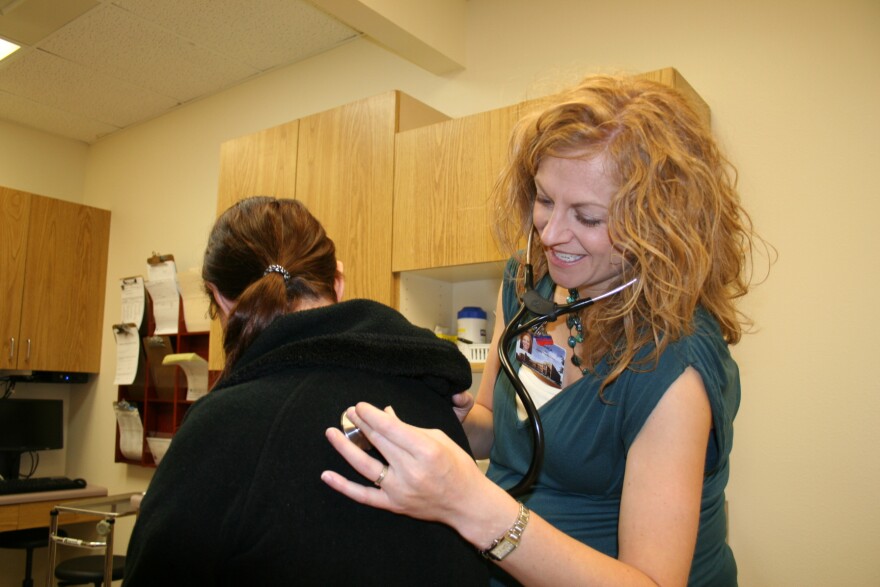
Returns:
point(428, 476)
point(462, 404)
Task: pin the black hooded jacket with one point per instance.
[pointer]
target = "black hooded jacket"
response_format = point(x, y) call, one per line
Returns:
point(238, 498)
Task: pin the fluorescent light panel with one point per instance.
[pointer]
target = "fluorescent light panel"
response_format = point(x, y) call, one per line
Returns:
point(7, 49)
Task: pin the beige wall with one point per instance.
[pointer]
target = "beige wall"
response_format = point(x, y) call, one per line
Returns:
point(794, 88)
point(35, 162)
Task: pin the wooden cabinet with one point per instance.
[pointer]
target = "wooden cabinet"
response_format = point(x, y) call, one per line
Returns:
point(161, 396)
point(399, 186)
point(258, 164)
point(339, 163)
point(445, 173)
point(444, 176)
point(345, 177)
point(53, 270)
point(669, 76)
point(15, 209)
point(444, 253)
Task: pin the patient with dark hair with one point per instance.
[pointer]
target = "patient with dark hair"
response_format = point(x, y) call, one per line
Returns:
point(238, 499)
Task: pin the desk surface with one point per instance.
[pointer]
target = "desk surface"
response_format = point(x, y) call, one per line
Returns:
point(62, 495)
point(111, 506)
point(31, 510)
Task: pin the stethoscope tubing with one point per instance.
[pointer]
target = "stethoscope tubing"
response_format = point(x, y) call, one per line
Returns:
point(546, 311)
point(511, 330)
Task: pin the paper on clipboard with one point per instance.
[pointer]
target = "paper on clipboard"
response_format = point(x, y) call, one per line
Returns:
point(128, 353)
point(162, 286)
point(131, 431)
point(134, 300)
point(196, 370)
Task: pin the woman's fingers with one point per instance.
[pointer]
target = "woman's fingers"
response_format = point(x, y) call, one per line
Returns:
point(364, 464)
point(361, 461)
point(391, 436)
point(462, 403)
point(428, 474)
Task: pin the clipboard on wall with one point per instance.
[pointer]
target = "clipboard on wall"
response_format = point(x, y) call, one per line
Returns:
point(129, 360)
point(134, 301)
point(164, 293)
point(157, 259)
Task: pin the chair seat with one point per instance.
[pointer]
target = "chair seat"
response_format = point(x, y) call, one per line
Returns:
point(88, 569)
point(28, 538)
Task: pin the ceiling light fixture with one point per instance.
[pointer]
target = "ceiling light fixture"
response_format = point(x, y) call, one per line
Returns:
point(7, 49)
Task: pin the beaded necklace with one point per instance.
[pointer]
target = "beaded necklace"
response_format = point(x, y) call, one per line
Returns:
point(576, 334)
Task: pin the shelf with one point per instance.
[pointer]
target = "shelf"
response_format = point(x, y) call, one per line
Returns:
point(462, 273)
point(432, 297)
point(162, 414)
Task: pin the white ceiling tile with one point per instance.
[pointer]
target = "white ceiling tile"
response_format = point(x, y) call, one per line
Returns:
point(121, 62)
point(118, 44)
point(70, 87)
point(29, 22)
point(262, 33)
point(47, 119)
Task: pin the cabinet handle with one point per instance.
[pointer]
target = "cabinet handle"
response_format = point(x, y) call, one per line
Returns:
point(27, 357)
point(12, 347)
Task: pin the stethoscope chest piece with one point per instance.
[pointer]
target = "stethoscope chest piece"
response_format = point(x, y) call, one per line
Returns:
point(354, 434)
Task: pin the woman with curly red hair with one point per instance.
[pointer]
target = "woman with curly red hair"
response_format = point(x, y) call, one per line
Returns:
point(616, 179)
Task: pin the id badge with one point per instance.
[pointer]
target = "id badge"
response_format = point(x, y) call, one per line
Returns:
point(537, 352)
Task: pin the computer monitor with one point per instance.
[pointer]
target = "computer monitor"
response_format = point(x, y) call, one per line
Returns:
point(28, 425)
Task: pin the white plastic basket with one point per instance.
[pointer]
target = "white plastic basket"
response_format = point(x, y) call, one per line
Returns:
point(475, 353)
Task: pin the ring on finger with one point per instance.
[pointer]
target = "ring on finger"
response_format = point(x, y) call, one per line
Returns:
point(378, 481)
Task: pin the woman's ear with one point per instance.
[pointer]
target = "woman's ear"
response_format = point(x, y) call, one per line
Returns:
point(339, 281)
point(223, 303)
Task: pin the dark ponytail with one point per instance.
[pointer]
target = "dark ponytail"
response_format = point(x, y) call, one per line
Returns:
point(246, 240)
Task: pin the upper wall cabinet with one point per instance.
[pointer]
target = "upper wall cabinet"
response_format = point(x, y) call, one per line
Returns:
point(345, 176)
point(445, 174)
point(53, 271)
point(340, 164)
point(258, 164)
point(669, 76)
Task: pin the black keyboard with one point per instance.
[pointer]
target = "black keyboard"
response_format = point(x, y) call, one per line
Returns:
point(37, 484)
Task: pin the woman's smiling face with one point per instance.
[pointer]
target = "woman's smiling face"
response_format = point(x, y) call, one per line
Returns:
point(571, 216)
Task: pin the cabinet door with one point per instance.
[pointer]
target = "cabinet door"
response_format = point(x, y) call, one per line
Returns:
point(340, 164)
point(258, 164)
point(64, 287)
point(345, 175)
point(444, 176)
point(14, 218)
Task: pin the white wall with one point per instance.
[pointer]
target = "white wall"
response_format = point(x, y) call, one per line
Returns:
point(793, 87)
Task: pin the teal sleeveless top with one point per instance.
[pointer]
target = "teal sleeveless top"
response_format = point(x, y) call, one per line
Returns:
point(586, 443)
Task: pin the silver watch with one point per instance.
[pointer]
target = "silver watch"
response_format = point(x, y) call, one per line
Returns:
point(508, 542)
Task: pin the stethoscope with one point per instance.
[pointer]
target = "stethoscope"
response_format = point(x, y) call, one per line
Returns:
point(543, 311)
